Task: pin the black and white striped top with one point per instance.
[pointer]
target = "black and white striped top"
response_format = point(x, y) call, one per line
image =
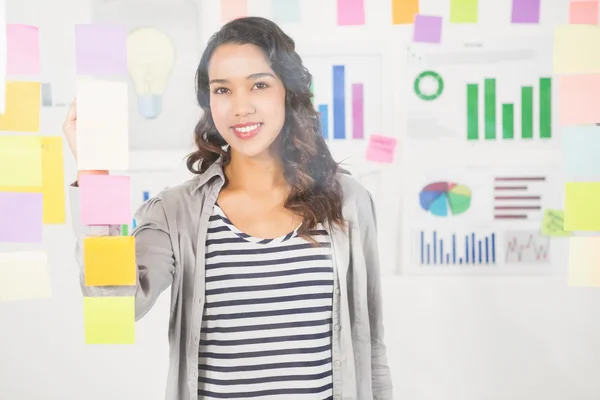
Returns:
point(266, 330)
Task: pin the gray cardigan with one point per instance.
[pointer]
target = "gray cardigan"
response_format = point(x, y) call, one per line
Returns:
point(170, 238)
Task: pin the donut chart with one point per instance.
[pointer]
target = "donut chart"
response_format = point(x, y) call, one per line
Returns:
point(444, 199)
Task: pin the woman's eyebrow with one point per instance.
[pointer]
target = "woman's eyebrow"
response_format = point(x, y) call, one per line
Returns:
point(251, 76)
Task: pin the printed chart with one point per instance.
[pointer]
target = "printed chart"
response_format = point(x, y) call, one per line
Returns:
point(526, 247)
point(492, 92)
point(444, 198)
point(519, 197)
point(347, 93)
point(452, 248)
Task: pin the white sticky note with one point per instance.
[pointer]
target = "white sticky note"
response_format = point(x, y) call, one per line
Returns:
point(581, 147)
point(3, 55)
point(102, 125)
point(24, 275)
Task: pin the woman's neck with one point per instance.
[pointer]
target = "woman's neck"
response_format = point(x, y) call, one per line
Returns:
point(255, 175)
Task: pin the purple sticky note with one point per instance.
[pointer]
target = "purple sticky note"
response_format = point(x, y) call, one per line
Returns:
point(21, 217)
point(526, 11)
point(105, 199)
point(101, 50)
point(427, 29)
point(22, 50)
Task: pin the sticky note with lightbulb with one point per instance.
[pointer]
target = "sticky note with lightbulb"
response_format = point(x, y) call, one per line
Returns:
point(101, 50)
point(102, 125)
point(150, 60)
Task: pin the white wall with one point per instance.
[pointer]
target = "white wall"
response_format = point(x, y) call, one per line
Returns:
point(449, 337)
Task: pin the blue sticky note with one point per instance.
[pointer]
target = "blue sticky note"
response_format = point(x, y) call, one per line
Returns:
point(581, 149)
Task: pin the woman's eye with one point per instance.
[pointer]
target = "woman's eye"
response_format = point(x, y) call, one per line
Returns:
point(220, 90)
point(261, 85)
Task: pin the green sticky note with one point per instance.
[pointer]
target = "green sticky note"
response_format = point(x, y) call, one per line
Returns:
point(464, 11)
point(553, 223)
point(109, 320)
point(582, 208)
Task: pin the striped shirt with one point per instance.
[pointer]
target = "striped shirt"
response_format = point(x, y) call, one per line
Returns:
point(266, 331)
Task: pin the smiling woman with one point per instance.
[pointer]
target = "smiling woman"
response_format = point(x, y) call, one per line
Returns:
point(271, 249)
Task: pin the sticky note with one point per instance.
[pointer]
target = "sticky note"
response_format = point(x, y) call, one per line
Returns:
point(53, 183)
point(404, 11)
point(109, 320)
point(578, 99)
point(553, 223)
point(22, 107)
point(576, 49)
point(23, 50)
point(582, 208)
point(24, 275)
point(102, 125)
point(233, 9)
point(381, 149)
point(584, 261)
point(350, 12)
point(525, 11)
point(101, 50)
point(427, 29)
point(109, 261)
point(20, 160)
point(583, 12)
point(464, 11)
point(105, 199)
point(286, 11)
point(21, 217)
point(3, 50)
point(580, 149)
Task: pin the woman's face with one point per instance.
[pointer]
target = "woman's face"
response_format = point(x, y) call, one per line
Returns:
point(247, 99)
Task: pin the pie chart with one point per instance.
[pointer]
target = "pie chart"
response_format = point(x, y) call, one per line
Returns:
point(444, 199)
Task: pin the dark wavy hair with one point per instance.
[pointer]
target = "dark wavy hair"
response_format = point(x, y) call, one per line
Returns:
point(309, 168)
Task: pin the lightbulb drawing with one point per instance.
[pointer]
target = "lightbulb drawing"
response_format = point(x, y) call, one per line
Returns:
point(150, 60)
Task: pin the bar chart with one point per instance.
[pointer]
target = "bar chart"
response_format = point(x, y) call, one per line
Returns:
point(491, 119)
point(456, 249)
point(344, 90)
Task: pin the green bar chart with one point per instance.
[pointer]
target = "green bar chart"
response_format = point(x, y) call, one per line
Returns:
point(507, 110)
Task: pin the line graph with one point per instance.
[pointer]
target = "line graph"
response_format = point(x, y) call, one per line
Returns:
point(526, 247)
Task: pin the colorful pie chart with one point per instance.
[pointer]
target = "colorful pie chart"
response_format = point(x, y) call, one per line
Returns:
point(444, 199)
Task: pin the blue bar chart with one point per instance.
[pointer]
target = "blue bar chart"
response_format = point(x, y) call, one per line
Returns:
point(456, 249)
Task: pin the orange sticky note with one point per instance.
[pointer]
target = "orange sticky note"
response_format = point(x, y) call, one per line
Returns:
point(109, 320)
point(233, 9)
point(584, 261)
point(404, 11)
point(583, 12)
point(23, 102)
point(579, 99)
point(109, 261)
point(381, 149)
point(53, 181)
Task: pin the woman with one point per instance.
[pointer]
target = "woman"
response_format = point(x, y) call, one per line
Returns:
point(270, 251)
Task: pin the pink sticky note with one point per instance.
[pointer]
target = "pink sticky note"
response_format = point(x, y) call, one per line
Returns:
point(578, 99)
point(350, 12)
point(427, 29)
point(105, 199)
point(233, 9)
point(22, 50)
point(381, 149)
point(583, 12)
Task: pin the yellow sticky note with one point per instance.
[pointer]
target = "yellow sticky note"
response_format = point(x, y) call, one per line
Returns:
point(24, 276)
point(576, 49)
point(464, 11)
point(584, 261)
point(582, 208)
point(20, 160)
point(23, 102)
point(52, 186)
point(553, 223)
point(109, 320)
point(109, 261)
